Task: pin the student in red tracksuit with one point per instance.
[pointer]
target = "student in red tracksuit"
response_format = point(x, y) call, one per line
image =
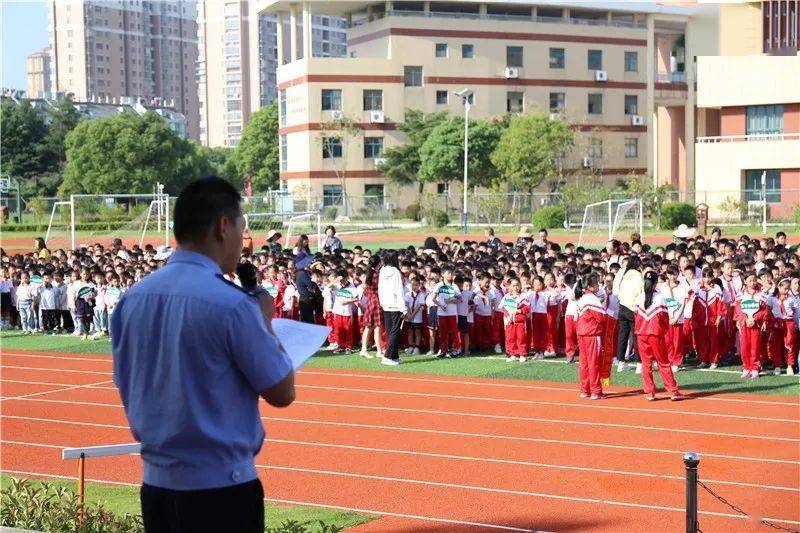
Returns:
point(446, 296)
point(707, 314)
point(676, 297)
point(553, 297)
point(590, 329)
point(345, 298)
point(496, 294)
point(651, 322)
point(752, 318)
point(482, 334)
point(783, 333)
point(515, 318)
point(537, 333)
point(611, 305)
point(570, 318)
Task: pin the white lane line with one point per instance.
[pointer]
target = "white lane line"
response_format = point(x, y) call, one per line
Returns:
point(525, 439)
point(546, 420)
point(55, 370)
point(63, 389)
point(541, 402)
point(680, 479)
point(55, 384)
point(476, 415)
point(62, 357)
point(58, 421)
point(571, 390)
point(513, 492)
point(307, 504)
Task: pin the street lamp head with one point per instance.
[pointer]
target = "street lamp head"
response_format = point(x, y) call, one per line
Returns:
point(463, 93)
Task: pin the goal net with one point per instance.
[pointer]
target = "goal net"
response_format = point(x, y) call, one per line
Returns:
point(136, 219)
point(610, 219)
point(290, 224)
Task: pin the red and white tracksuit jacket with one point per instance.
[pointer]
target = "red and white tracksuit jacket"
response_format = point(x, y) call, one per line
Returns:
point(707, 307)
point(516, 325)
point(733, 288)
point(783, 331)
point(651, 324)
point(570, 322)
point(611, 305)
point(751, 341)
point(676, 299)
point(590, 328)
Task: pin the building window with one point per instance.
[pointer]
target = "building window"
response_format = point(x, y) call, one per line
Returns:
point(631, 147)
point(631, 104)
point(595, 148)
point(282, 105)
point(373, 147)
point(594, 59)
point(441, 97)
point(467, 51)
point(764, 119)
point(595, 104)
point(441, 188)
point(331, 195)
point(514, 102)
point(373, 100)
point(331, 147)
point(513, 56)
point(284, 153)
point(412, 76)
point(752, 186)
point(631, 61)
point(441, 49)
point(556, 102)
point(331, 99)
point(373, 195)
point(556, 58)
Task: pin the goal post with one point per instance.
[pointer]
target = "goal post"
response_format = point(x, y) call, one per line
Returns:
point(289, 223)
point(606, 219)
point(59, 219)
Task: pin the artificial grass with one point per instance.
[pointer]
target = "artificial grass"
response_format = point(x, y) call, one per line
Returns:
point(485, 365)
point(120, 499)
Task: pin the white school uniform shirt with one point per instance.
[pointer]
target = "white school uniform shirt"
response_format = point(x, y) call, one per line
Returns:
point(25, 295)
point(327, 299)
point(554, 295)
point(444, 292)
point(6, 286)
point(538, 302)
point(733, 289)
point(48, 297)
point(673, 299)
point(797, 310)
point(341, 295)
point(483, 308)
point(572, 303)
point(62, 295)
point(100, 298)
point(430, 298)
point(415, 303)
point(288, 297)
point(611, 305)
point(784, 310)
point(495, 294)
point(463, 305)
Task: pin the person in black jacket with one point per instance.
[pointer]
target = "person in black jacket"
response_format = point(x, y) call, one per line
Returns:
point(308, 291)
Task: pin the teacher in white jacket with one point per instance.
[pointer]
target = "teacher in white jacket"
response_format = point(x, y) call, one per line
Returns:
point(392, 300)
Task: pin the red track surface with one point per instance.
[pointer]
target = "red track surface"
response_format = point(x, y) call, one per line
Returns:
point(451, 454)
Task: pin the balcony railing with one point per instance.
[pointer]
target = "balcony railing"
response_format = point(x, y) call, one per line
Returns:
point(489, 16)
point(670, 77)
point(750, 138)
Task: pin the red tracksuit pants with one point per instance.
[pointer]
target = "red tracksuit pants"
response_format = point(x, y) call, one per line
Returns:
point(782, 343)
point(707, 342)
point(589, 368)
point(552, 328)
point(448, 333)
point(498, 329)
point(651, 347)
point(538, 332)
point(330, 323)
point(676, 344)
point(481, 335)
point(516, 339)
point(750, 347)
point(570, 336)
point(343, 327)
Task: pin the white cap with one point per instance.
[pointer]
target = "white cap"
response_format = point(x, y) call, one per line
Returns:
point(162, 253)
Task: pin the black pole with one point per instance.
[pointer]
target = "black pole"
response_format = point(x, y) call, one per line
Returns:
point(691, 460)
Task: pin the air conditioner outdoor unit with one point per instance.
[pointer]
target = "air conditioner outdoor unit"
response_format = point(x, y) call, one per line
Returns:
point(600, 75)
point(378, 161)
point(337, 115)
point(376, 117)
point(555, 116)
point(637, 120)
point(512, 72)
point(586, 162)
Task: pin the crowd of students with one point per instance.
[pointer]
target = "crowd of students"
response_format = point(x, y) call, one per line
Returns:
point(717, 300)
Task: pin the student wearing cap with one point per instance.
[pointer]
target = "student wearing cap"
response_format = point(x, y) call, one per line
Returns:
point(191, 396)
point(273, 241)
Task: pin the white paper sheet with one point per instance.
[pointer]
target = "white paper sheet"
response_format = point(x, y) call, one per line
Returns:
point(300, 340)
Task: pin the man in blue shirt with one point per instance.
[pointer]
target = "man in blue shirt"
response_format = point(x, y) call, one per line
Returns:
point(192, 354)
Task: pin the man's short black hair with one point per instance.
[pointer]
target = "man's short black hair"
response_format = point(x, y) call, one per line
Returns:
point(200, 204)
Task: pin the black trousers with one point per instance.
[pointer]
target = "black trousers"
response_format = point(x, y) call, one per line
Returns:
point(50, 319)
point(307, 311)
point(66, 320)
point(626, 331)
point(238, 508)
point(392, 321)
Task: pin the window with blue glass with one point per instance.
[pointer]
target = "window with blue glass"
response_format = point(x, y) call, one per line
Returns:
point(331, 147)
point(752, 186)
point(331, 100)
point(373, 147)
point(764, 119)
point(282, 100)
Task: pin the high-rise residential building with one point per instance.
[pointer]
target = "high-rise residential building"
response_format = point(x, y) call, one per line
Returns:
point(104, 50)
point(238, 60)
point(38, 64)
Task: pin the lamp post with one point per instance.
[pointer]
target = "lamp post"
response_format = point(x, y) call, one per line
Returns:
point(465, 95)
point(764, 207)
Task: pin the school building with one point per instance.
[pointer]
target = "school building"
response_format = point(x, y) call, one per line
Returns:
point(623, 75)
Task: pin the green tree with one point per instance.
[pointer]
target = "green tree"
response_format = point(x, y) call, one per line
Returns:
point(337, 136)
point(442, 153)
point(638, 186)
point(24, 131)
point(220, 158)
point(63, 119)
point(258, 153)
point(401, 163)
point(530, 149)
point(129, 153)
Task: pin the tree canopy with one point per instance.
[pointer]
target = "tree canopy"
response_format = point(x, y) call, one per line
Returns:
point(24, 132)
point(529, 149)
point(129, 153)
point(258, 151)
point(401, 163)
point(442, 153)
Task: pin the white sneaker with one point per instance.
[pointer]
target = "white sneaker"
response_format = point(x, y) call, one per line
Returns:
point(777, 371)
point(415, 351)
point(510, 358)
point(638, 368)
point(549, 354)
point(790, 370)
point(745, 374)
point(675, 368)
point(522, 359)
point(409, 350)
point(498, 348)
point(333, 346)
point(754, 374)
point(702, 365)
point(430, 353)
point(621, 366)
point(390, 362)
point(712, 366)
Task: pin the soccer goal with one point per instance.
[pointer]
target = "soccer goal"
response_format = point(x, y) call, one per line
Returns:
point(291, 224)
point(610, 218)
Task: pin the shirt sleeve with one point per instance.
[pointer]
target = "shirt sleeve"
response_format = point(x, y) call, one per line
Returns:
point(254, 350)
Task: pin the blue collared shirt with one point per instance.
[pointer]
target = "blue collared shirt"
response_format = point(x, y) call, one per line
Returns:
point(191, 355)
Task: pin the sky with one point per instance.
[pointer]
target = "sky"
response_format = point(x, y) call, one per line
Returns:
point(23, 29)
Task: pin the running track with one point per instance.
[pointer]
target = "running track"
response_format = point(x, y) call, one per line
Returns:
point(451, 454)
